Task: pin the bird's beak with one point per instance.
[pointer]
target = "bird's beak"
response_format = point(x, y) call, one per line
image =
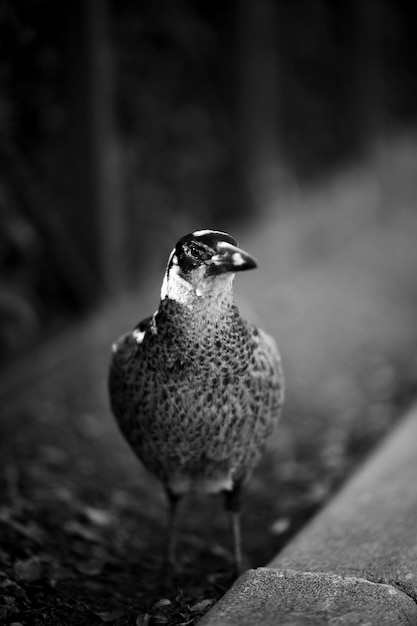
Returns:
point(230, 258)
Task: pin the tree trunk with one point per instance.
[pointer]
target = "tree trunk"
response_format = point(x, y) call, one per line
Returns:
point(97, 220)
point(259, 102)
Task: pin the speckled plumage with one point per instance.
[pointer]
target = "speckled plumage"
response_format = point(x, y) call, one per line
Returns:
point(196, 389)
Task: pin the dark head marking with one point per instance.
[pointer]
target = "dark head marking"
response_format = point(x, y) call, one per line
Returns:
point(197, 248)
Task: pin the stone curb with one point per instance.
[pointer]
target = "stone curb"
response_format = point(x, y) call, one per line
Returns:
point(355, 563)
point(269, 597)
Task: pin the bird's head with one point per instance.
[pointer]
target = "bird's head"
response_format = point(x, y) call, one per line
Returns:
point(202, 265)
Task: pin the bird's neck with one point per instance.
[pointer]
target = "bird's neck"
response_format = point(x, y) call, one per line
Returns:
point(201, 333)
point(203, 309)
point(200, 292)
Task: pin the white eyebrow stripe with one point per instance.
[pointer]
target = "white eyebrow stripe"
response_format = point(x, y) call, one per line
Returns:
point(208, 231)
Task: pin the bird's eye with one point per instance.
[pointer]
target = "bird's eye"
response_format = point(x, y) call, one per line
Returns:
point(193, 254)
point(199, 251)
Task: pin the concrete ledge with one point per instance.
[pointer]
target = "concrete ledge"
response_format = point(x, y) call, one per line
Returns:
point(369, 529)
point(267, 597)
point(355, 563)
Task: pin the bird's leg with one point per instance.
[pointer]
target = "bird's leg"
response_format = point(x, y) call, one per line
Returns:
point(233, 502)
point(173, 500)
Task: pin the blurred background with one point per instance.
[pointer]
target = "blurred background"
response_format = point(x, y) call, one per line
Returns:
point(126, 124)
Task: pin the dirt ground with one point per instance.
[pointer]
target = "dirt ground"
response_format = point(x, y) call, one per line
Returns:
point(82, 524)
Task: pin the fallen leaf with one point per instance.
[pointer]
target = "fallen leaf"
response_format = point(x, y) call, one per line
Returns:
point(160, 618)
point(75, 528)
point(162, 602)
point(94, 567)
point(30, 531)
point(29, 570)
point(99, 517)
point(202, 606)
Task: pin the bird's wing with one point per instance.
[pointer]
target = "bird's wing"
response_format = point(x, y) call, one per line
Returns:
point(127, 344)
point(126, 351)
point(251, 410)
point(266, 345)
point(269, 367)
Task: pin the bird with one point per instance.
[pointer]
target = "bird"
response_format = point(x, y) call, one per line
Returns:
point(195, 388)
